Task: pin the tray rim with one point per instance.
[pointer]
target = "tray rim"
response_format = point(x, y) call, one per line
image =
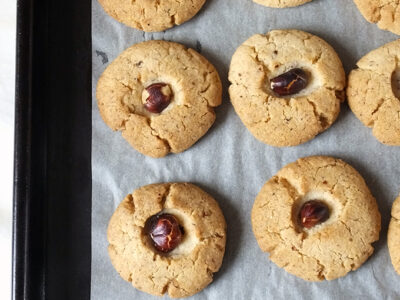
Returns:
point(39, 222)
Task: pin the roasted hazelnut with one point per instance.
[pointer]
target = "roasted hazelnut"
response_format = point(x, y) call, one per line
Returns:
point(156, 97)
point(289, 83)
point(313, 213)
point(164, 231)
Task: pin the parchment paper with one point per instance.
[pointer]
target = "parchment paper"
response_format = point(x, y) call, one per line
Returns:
point(231, 165)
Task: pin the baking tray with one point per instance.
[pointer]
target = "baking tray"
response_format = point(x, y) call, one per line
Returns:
point(52, 175)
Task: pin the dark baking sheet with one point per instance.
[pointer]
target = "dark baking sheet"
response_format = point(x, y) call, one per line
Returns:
point(52, 179)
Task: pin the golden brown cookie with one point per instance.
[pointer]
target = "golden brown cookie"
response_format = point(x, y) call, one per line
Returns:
point(286, 86)
point(281, 3)
point(394, 235)
point(152, 15)
point(385, 13)
point(160, 95)
point(317, 218)
point(373, 92)
point(167, 238)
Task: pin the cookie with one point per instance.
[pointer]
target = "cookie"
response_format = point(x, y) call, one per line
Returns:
point(167, 238)
point(281, 3)
point(317, 218)
point(373, 92)
point(151, 16)
point(286, 86)
point(385, 13)
point(160, 95)
point(394, 235)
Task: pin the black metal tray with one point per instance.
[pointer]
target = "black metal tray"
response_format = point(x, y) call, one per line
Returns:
point(52, 180)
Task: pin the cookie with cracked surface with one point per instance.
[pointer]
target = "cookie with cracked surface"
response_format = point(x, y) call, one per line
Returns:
point(167, 238)
point(286, 86)
point(160, 95)
point(281, 3)
point(385, 13)
point(394, 235)
point(151, 16)
point(317, 218)
point(373, 92)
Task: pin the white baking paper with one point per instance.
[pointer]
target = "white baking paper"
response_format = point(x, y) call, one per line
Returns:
point(231, 165)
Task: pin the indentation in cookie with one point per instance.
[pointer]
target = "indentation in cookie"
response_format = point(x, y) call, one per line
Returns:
point(289, 83)
point(190, 239)
point(187, 241)
point(314, 211)
point(156, 97)
point(301, 79)
point(164, 232)
point(159, 96)
point(396, 83)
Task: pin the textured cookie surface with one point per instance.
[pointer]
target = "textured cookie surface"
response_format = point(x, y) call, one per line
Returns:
point(373, 91)
point(394, 235)
point(332, 248)
point(385, 13)
point(193, 81)
point(188, 268)
point(281, 3)
point(286, 121)
point(152, 15)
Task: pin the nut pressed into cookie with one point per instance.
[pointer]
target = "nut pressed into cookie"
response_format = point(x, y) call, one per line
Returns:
point(152, 15)
point(167, 238)
point(373, 92)
point(286, 86)
point(281, 3)
point(394, 235)
point(317, 218)
point(160, 95)
point(385, 13)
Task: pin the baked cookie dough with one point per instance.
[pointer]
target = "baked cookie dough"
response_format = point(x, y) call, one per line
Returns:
point(189, 267)
point(385, 13)
point(291, 119)
point(394, 235)
point(373, 92)
point(281, 3)
point(317, 218)
point(160, 95)
point(151, 16)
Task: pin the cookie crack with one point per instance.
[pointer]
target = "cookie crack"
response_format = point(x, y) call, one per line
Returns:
point(317, 58)
point(322, 120)
point(165, 195)
point(155, 133)
point(379, 9)
point(321, 272)
point(376, 111)
point(211, 236)
point(291, 189)
point(347, 228)
point(257, 59)
point(324, 167)
point(303, 255)
point(396, 220)
point(339, 94)
point(173, 282)
point(266, 121)
point(131, 203)
point(352, 236)
point(173, 19)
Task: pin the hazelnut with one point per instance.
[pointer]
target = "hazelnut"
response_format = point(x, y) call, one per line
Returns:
point(289, 83)
point(313, 213)
point(164, 231)
point(156, 97)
